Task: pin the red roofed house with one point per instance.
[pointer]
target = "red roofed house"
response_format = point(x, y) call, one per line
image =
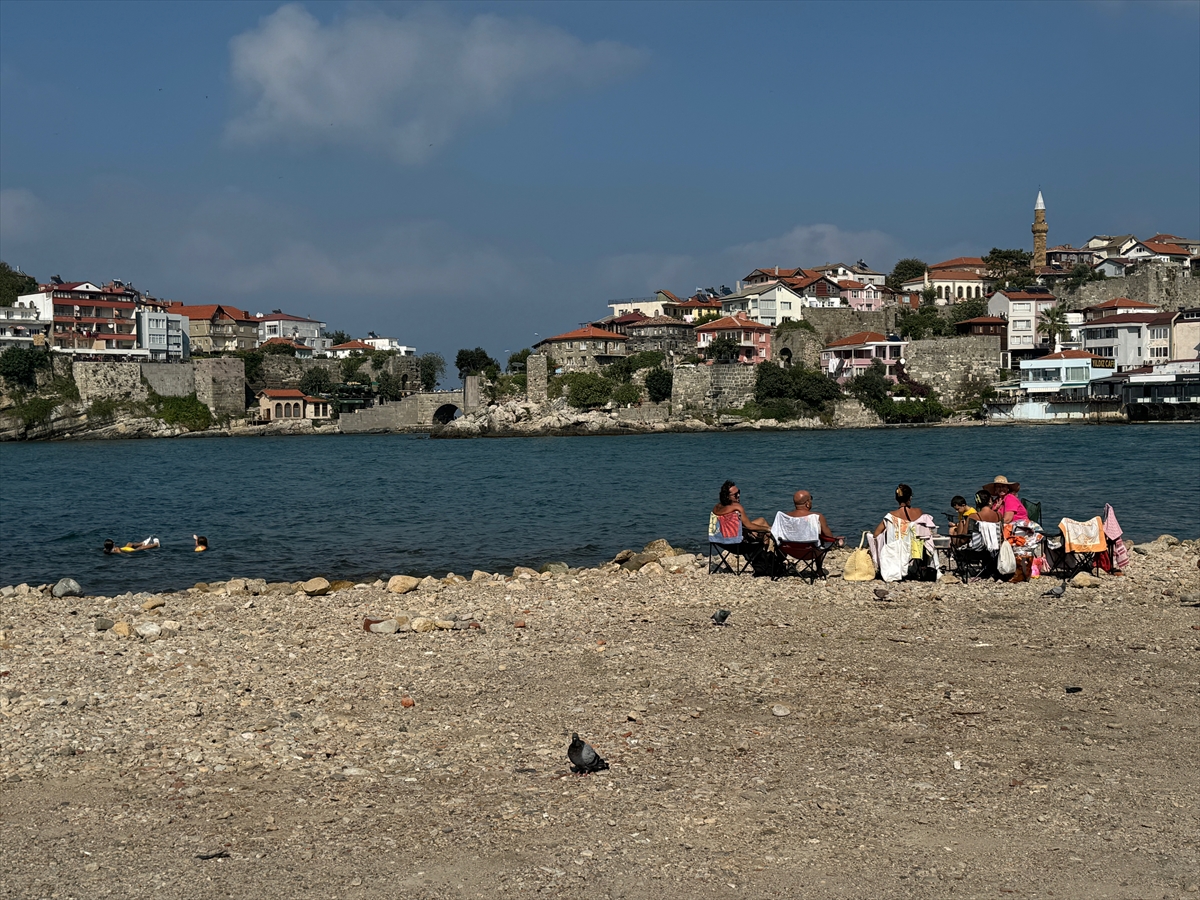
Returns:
point(274, 404)
point(586, 349)
point(218, 327)
point(994, 326)
point(618, 324)
point(89, 319)
point(351, 348)
point(765, 276)
point(1023, 310)
point(961, 263)
point(1117, 306)
point(853, 355)
point(1153, 251)
point(753, 338)
point(949, 285)
point(692, 309)
point(1131, 340)
point(298, 350)
point(857, 295)
point(308, 332)
point(1191, 245)
point(1067, 372)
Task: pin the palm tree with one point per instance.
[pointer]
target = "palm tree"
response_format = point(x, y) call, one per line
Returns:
point(1053, 323)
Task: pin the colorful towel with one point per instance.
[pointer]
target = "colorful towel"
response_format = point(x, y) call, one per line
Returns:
point(1083, 537)
point(728, 526)
point(1112, 530)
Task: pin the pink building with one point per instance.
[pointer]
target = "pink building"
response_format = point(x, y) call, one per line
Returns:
point(866, 297)
point(753, 338)
point(853, 355)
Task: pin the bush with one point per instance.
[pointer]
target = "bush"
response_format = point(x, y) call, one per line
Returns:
point(20, 365)
point(104, 408)
point(278, 349)
point(659, 383)
point(924, 322)
point(380, 358)
point(622, 370)
point(516, 362)
point(795, 325)
point(627, 394)
point(316, 381)
point(555, 387)
point(349, 368)
point(587, 389)
point(187, 412)
point(252, 361)
point(35, 410)
point(809, 389)
point(391, 387)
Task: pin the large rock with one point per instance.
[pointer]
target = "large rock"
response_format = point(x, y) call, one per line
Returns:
point(661, 546)
point(1084, 580)
point(316, 587)
point(555, 568)
point(402, 584)
point(67, 587)
point(421, 623)
point(429, 584)
point(638, 560)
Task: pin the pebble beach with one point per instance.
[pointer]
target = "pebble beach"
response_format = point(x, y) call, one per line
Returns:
point(408, 737)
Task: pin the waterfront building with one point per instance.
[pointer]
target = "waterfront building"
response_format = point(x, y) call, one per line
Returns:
point(1185, 335)
point(350, 348)
point(669, 335)
point(854, 354)
point(278, 324)
point(1022, 310)
point(27, 323)
point(1131, 340)
point(1115, 307)
point(217, 327)
point(1065, 375)
point(768, 303)
point(275, 404)
point(586, 349)
point(89, 319)
point(753, 338)
point(163, 335)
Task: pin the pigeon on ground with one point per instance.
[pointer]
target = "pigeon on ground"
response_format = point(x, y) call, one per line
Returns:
point(1056, 591)
point(583, 757)
point(882, 593)
point(720, 616)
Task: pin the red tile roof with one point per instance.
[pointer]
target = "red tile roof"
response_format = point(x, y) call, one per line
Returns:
point(350, 345)
point(284, 317)
point(776, 272)
point(1146, 318)
point(587, 332)
point(959, 262)
point(1165, 249)
point(668, 295)
point(732, 323)
point(700, 304)
point(849, 285)
point(285, 342)
point(1122, 303)
point(1026, 295)
point(211, 311)
point(661, 320)
point(288, 394)
point(983, 320)
point(862, 337)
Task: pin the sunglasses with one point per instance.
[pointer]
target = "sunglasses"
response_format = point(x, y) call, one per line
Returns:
point(735, 493)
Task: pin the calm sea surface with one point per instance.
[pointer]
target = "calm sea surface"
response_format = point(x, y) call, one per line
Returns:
point(360, 506)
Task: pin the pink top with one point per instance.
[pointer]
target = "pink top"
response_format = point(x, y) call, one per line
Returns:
point(1011, 504)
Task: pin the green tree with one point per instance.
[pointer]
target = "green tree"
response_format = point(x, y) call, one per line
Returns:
point(14, 284)
point(627, 394)
point(1053, 323)
point(723, 346)
point(516, 362)
point(968, 309)
point(338, 337)
point(278, 349)
point(587, 389)
point(316, 381)
point(431, 367)
point(1010, 268)
point(349, 368)
point(659, 383)
point(20, 365)
point(473, 362)
point(391, 387)
point(924, 322)
point(705, 318)
point(905, 270)
point(928, 295)
point(622, 370)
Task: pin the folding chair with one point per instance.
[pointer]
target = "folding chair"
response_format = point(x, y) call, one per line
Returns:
point(799, 548)
point(976, 559)
point(1074, 549)
point(734, 551)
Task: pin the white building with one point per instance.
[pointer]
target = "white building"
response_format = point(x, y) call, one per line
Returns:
point(1068, 372)
point(27, 322)
point(1131, 340)
point(278, 324)
point(1023, 310)
point(163, 334)
point(768, 304)
point(949, 285)
point(385, 343)
point(860, 271)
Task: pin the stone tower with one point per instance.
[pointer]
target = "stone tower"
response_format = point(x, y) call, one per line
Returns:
point(1039, 232)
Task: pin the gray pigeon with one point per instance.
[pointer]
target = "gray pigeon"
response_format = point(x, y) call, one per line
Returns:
point(1056, 591)
point(882, 593)
point(720, 616)
point(583, 757)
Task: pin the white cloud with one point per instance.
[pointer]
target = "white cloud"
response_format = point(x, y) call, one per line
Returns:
point(22, 214)
point(402, 86)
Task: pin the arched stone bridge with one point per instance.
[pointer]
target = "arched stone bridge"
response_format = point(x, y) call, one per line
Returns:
point(414, 411)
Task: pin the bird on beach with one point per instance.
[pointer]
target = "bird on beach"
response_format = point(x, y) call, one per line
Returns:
point(1057, 591)
point(583, 757)
point(720, 616)
point(882, 593)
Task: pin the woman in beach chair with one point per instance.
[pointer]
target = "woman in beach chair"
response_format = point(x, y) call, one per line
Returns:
point(905, 530)
point(739, 542)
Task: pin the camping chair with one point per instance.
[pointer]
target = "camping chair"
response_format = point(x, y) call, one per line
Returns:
point(799, 548)
point(1074, 549)
point(735, 552)
point(976, 559)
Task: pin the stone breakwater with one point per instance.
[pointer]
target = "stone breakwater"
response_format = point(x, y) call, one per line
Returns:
point(271, 739)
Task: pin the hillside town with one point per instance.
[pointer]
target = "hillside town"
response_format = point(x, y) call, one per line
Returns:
point(1059, 332)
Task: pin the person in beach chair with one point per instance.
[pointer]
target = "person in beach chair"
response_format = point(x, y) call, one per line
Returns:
point(975, 558)
point(1022, 533)
point(802, 538)
point(738, 542)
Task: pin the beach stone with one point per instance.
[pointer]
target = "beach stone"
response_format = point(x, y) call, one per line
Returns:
point(429, 584)
point(660, 546)
point(444, 624)
point(387, 626)
point(676, 564)
point(148, 630)
point(7, 591)
point(169, 628)
point(235, 586)
point(422, 624)
point(122, 629)
point(67, 587)
point(622, 556)
point(316, 587)
point(780, 710)
point(451, 578)
point(638, 560)
point(651, 570)
point(478, 576)
point(341, 585)
point(153, 603)
point(525, 571)
point(1084, 580)
point(402, 584)
point(555, 568)
point(103, 624)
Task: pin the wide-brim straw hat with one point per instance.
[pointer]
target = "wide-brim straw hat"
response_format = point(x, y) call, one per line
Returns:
point(1001, 481)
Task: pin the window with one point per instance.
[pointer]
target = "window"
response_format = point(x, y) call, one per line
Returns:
point(1077, 373)
point(1021, 324)
point(1158, 334)
point(785, 304)
point(1021, 307)
point(1045, 374)
point(1159, 352)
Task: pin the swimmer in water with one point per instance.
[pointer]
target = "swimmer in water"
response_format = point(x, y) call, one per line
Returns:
point(148, 544)
point(201, 543)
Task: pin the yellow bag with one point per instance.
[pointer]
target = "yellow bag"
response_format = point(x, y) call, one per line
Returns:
point(860, 566)
point(918, 548)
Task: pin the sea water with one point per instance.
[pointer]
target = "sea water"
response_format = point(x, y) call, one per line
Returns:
point(357, 507)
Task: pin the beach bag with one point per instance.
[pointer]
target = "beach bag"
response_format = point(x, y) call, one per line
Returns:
point(1006, 562)
point(918, 548)
point(894, 559)
point(860, 566)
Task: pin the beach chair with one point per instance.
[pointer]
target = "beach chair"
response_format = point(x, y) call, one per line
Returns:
point(732, 551)
point(799, 549)
point(1074, 549)
point(976, 559)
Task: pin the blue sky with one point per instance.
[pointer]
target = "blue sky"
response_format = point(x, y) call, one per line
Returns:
point(473, 174)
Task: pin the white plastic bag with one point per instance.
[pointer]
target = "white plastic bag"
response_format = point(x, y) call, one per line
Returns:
point(894, 559)
point(1006, 562)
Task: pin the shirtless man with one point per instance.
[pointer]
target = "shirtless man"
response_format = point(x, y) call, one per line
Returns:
point(802, 503)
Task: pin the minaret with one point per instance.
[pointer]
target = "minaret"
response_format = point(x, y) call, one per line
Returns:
point(1039, 232)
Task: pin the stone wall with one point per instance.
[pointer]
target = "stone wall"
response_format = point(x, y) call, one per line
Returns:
point(1158, 283)
point(536, 378)
point(170, 379)
point(647, 413)
point(852, 414)
point(943, 363)
point(831, 324)
point(221, 385)
point(802, 346)
point(280, 371)
point(109, 381)
point(709, 388)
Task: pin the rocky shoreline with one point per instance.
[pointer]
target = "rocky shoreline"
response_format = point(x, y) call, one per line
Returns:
point(325, 738)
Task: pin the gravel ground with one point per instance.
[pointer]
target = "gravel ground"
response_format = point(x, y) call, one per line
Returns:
point(825, 743)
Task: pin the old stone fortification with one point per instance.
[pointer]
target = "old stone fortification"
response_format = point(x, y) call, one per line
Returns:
point(536, 377)
point(831, 324)
point(943, 363)
point(280, 371)
point(1163, 285)
point(709, 388)
point(109, 381)
point(797, 346)
point(170, 379)
point(220, 384)
point(852, 414)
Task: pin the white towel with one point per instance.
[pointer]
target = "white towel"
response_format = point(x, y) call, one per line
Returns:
point(796, 529)
point(990, 532)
